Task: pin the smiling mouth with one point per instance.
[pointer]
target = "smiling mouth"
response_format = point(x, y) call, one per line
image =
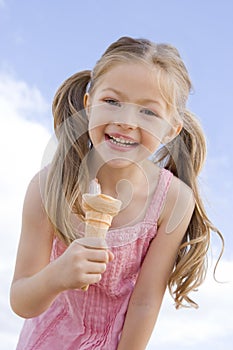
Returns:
point(119, 141)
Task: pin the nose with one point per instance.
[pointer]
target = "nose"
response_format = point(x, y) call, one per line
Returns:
point(126, 126)
point(127, 119)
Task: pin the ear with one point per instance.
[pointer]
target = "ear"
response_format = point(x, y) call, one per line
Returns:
point(172, 133)
point(86, 103)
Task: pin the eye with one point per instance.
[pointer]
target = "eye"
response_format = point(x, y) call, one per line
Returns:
point(112, 102)
point(149, 112)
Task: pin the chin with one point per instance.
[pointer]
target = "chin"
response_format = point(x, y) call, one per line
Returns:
point(119, 163)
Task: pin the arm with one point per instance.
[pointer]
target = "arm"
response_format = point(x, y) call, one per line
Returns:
point(152, 281)
point(36, 281)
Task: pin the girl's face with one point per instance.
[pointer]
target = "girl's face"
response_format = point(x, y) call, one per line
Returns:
point(128, 118)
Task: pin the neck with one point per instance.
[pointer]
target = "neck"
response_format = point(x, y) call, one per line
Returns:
point(121, 181)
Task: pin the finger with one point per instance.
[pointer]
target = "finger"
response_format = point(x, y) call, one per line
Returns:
point(95, 268)
point(91, 279)
point(92, 242)
point(97, 255)
point(91, 253)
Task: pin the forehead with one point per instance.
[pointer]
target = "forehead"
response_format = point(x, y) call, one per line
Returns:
point(134, 79)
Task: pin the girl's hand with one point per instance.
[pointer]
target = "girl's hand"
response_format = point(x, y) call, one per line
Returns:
point(80, 265)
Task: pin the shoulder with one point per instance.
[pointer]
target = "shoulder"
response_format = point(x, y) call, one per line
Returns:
point(33, 209)
point(37, 184)
point(179, 203)
point(179, 191)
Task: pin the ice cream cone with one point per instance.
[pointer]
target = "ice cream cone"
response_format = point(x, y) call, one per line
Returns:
point(99, 211)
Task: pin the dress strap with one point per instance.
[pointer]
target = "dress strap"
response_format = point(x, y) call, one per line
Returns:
point(158, 201)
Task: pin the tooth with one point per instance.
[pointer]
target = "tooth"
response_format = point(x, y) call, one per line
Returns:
point(118, 140)
point(123, 141)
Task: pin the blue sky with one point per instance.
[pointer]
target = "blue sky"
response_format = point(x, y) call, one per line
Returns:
point(44, 42)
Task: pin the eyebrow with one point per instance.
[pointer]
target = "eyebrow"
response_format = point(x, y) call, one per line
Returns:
point(142, 101)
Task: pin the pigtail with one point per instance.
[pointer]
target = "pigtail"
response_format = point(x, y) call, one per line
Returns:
point(184, 157)
point(68, 99)
point(67, 171)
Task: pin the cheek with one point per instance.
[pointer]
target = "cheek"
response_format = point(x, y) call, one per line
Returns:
point(95, 126)
point(150, 142)
point(99, 116)
point(161, 131)
point(152, 136)
point(96, 134)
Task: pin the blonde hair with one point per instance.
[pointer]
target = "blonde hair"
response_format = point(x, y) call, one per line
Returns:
point(68, 176)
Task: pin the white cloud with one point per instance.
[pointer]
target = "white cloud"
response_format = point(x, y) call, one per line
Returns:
point(209, 327)
point(22, 142)
point(17, 96)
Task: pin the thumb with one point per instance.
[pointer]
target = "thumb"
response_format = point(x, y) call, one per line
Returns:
point(110, 256)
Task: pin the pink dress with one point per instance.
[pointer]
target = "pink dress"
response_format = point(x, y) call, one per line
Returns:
point(79, 320)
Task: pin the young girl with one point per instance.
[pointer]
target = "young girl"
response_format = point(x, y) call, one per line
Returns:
point(109, 123)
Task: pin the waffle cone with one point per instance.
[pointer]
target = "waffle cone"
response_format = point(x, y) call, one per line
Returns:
point(99, 211)
point(101, 203)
